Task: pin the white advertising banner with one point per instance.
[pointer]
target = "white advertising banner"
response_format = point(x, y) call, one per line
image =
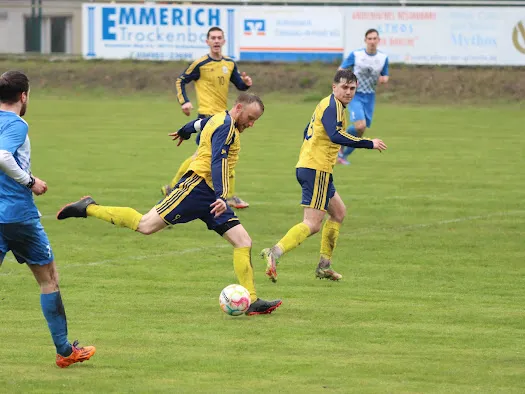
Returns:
point(441, 35)
point(153, 32)
point(290, 33)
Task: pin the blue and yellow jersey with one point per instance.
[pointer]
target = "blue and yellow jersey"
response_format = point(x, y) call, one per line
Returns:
point(218, 153)
point(212, 82)
point(324, 135)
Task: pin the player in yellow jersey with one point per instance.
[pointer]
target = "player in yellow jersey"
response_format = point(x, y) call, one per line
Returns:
point(323, 137)
point(212, 75)
point(199, 194)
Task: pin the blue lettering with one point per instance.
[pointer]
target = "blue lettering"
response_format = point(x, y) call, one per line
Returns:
point(164, 16)
point(473, 41)
point(214, 17)
point(108, 23)
point(176, 17)
point(127, 16)
point(197, 17)
point(147, 16)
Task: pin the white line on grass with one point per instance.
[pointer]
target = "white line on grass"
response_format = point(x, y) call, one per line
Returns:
point(362, 231)
point(438, 223)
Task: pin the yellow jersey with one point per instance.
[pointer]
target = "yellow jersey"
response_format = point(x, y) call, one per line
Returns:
point(212, 82)
point(218, 153)
point(325, 134)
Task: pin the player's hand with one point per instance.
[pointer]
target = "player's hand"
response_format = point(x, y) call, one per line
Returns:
point(246, 79)
point(379, 144)
point(175, 136)
point(40, 187)
point(186, 108)
point(184, 133)
point(218, 207)
point(383, 79)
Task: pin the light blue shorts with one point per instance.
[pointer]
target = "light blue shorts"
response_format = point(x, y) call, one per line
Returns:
point(362, 108)
point(27, 240)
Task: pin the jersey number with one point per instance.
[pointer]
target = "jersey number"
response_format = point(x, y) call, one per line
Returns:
point(221, 80)
point(310, 131)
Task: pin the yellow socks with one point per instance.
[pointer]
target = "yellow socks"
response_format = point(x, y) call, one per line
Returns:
point(119, 216)
point(182, 170)
point(242, 264)
point(329, 239)
point(294, 237)
point(231, 190)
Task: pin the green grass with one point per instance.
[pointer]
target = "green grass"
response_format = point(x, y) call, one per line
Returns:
point(431, 252)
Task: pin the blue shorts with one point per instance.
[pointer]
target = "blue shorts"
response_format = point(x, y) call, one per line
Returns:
point(362, 108)
point(318, 188)
point(191, 199)
point(27, 240)
point(198, 137)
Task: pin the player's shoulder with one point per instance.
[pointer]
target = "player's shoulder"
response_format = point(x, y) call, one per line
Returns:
point(200, 61)
point(381, 54)
point(219, 119)
point(230, 63)
point(359, 51)
point(328, 101)
point(10, 119)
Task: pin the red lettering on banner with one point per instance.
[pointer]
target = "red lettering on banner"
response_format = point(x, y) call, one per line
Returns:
point(398, 41)
point(417, 16)
point(387, 16)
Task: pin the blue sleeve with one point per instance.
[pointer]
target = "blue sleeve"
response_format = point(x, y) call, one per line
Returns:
point(384, 71)
point(333, 124)
point(204, 121)
point(192, 73)
point(13, 136)
point(349, 61)
point(188, 129)
point(221, 140)
point(237, 80)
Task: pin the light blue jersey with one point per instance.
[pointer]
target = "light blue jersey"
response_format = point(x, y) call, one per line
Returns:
point(16, 200)
point(367, 68)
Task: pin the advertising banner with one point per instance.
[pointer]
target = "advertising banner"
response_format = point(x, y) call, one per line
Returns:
point(153, 32)
point(290, 33)
point(444, 35)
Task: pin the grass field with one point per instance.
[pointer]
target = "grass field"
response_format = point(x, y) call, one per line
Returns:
point(431, 252)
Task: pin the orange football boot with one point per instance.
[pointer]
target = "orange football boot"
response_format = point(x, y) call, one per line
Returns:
point(79, 354)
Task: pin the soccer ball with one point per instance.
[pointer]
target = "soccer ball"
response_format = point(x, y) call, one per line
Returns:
point(234, 300)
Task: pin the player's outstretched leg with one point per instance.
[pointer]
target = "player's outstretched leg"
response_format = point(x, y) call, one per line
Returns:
point(76, 209)
point(86, 206)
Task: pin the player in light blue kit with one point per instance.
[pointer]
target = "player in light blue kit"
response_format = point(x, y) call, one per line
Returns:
point(370, 66)
point(20, 229)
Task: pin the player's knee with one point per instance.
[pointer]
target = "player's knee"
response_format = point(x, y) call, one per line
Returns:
point(339, 215)
point(48, 278)
point(360, 129)
point(243, 240)
point(314, 226)
point(146, 228)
